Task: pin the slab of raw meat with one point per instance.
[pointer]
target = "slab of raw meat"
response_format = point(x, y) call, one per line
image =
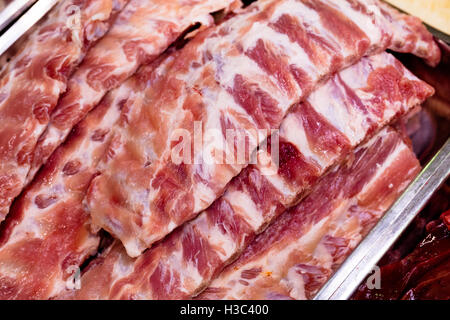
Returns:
point(316, 135)
point(48, 232)
point(297, 254)
point(34, 79)
point(244, 75)
point(141, 32)
point(47, 235)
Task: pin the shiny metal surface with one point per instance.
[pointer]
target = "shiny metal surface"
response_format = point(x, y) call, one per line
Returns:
point(439, 35)
point(12, 11)
point(360, 263)
point(356, 267)
point(25, 22)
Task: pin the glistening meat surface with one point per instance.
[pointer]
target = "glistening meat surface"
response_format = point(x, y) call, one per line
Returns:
point(244, 75)
point(35, 78)
point(47, 235)
point(313, 137)
point(297, 254)
point(141, 32)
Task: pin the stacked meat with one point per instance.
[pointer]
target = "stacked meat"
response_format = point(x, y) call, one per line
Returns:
point(94, 111)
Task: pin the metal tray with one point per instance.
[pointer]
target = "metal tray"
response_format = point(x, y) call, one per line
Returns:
point(24, 23)
point(356, 267)
point(372, 248)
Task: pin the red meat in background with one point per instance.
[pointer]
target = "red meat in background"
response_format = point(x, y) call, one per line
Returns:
point(424, 274)
point(417, 267)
